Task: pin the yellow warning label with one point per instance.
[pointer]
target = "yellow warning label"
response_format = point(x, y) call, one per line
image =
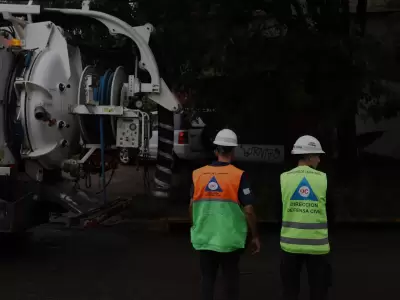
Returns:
point(108, 109)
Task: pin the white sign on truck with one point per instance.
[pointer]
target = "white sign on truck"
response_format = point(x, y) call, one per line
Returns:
point(260, 153)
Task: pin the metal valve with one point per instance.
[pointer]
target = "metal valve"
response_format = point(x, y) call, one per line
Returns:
point(64, 143)
point(62, 124)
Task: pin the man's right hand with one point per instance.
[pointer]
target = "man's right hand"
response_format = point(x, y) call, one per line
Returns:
point(255, 245)
point(252, 223)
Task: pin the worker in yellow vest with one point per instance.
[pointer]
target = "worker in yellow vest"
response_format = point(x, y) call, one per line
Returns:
point(221, 209)
point(304, 233)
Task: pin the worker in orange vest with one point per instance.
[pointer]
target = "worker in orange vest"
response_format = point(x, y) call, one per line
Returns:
point(221, 209)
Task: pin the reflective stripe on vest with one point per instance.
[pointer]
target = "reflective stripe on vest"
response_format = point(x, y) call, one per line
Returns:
point(219, 224)
point(304, 220)
point(310, 242)
point(299, 225)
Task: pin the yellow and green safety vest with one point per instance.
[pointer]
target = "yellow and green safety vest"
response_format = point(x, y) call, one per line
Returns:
point(304, 219)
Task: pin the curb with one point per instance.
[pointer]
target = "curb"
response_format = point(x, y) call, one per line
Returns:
point(277, 222)
point(167, 225)
point(156, 225)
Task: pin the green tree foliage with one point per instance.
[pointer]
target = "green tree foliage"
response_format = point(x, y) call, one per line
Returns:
point(259, 63)
point(273, 55)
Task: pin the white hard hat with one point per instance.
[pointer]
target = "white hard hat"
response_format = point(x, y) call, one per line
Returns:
point(307, 145)
point(226, 137)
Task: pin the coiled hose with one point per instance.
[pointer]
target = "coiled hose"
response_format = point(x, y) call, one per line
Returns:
point(102, 95)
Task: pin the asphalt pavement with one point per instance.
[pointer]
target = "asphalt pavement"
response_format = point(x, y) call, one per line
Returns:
point(118, 263)
point(125, 262)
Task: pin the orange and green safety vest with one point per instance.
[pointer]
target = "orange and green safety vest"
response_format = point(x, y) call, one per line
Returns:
point(219, 223)
point(304, 219)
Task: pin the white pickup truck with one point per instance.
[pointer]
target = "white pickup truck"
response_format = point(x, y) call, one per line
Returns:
point(188, 141)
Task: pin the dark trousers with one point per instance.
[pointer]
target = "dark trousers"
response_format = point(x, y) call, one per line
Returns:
point(318, 270)
point(209, 265)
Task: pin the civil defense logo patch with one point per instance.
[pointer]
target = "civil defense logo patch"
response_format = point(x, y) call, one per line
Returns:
point(213, 185)
point(304, 192)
